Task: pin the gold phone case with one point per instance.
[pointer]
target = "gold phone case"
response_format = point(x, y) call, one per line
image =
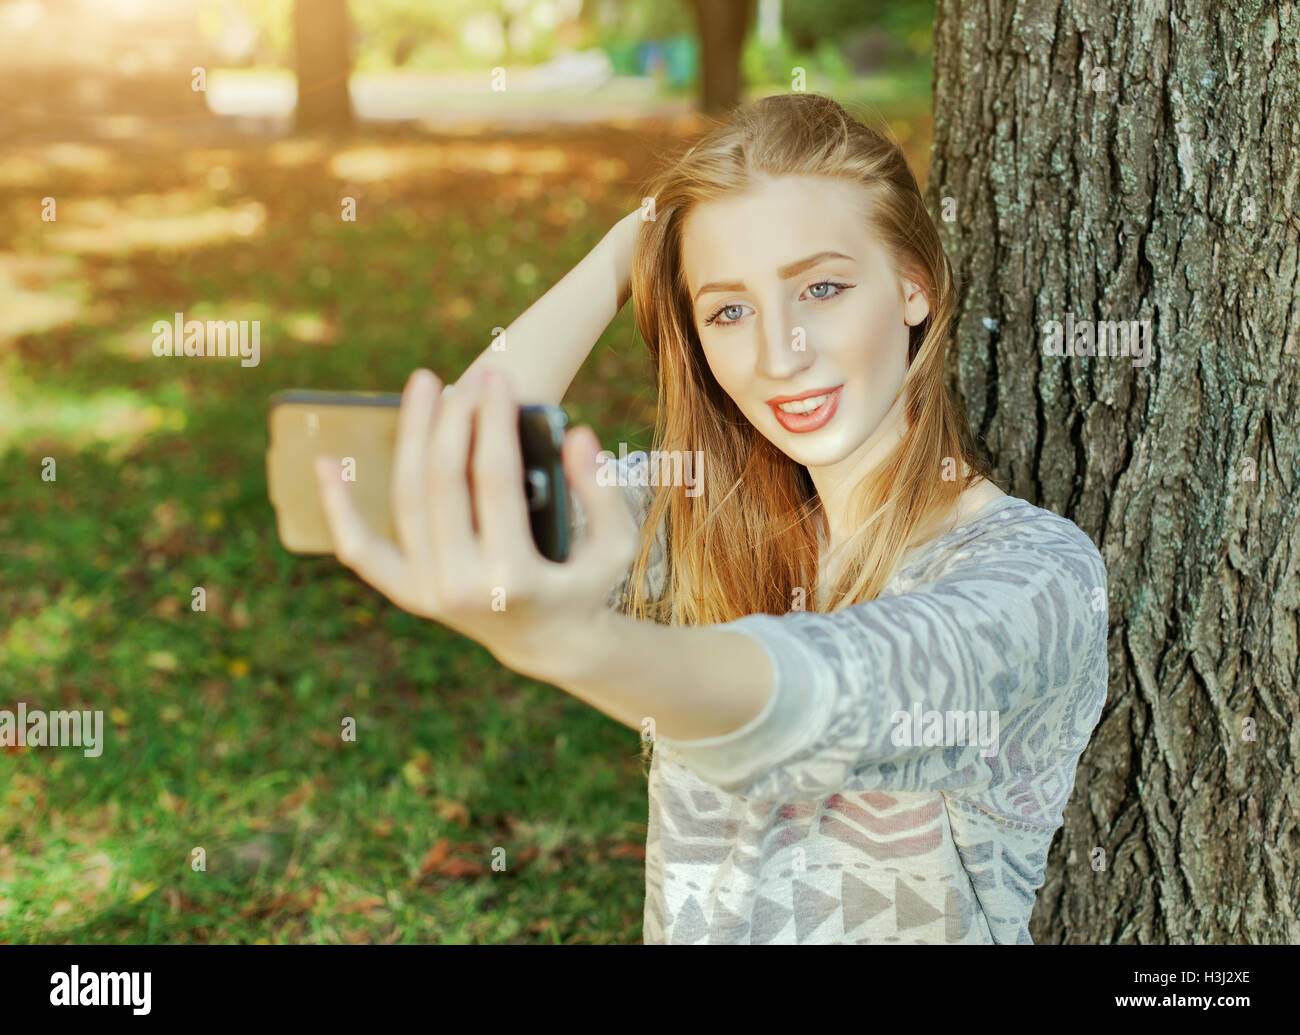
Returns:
point(360, 428)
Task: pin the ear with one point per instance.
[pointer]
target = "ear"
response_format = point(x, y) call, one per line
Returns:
point(916, 307)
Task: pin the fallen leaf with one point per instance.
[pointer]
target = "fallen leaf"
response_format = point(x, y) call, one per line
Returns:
point(629, 851)
point(295, 799)
point(452, 811)
point(288, 903)
point(461, 868)
point(439, 861)
point(527, 855)
point(363, 905)
point(434, 857)
point(142, 892)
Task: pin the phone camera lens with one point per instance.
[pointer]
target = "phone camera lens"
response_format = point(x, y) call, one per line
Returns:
point(536, 489)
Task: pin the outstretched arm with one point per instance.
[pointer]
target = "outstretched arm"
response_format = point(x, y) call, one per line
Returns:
point(767, 706)
point(465, 558)
point(694, 682)
point(998, 664)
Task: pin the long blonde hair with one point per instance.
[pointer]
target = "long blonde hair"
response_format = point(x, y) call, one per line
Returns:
point(749, 542)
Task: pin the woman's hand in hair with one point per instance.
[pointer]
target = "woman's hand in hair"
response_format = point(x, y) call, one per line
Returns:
point(457, 459)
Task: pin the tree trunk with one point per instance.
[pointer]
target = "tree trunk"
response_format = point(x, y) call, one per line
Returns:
point(1139, 162)
point(321, 38)
point(722, 27)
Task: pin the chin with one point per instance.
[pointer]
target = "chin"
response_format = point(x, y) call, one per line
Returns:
point(811, 456)
point(815, 449)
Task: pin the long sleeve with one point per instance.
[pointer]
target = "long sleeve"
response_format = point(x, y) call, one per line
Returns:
point(1010, 628)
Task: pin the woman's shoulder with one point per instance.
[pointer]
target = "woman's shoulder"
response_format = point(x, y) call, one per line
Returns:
point(1021, 566)
point(1008, 532)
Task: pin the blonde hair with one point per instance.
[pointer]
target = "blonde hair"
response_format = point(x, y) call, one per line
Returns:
point(750, 539)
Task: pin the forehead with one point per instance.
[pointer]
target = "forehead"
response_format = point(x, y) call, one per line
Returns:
point(781, 220)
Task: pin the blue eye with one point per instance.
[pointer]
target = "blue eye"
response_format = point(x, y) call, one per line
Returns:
point(839, 289)
point(735, 310)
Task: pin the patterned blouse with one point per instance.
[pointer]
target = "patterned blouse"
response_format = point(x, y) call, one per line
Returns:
point(906, 778)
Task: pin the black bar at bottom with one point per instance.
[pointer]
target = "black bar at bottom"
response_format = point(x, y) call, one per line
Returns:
point(334, 984)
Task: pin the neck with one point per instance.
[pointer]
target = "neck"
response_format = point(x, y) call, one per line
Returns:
point(836, 483)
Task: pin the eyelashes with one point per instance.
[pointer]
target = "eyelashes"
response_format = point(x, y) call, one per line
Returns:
point(840, 287)
point(719, 312)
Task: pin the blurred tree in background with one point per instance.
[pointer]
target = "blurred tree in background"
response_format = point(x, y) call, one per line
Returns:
point(723, 25)
point(323, 60)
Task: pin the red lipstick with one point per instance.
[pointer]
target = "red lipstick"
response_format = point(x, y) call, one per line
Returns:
point(801, 423)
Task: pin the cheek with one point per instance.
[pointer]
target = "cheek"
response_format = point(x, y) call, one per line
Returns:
point(728, 368)
point(871, 338)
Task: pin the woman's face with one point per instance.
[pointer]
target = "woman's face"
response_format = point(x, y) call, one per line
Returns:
point(793, 297)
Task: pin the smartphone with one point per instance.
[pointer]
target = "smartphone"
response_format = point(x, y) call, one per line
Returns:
point(361, 429)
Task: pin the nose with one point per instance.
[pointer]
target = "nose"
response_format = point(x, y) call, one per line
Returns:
point(783, 348)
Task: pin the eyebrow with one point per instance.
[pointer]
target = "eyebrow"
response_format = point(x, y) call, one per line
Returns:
point(785, 272)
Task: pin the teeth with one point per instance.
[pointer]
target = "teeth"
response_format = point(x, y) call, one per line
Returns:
point(803, 405)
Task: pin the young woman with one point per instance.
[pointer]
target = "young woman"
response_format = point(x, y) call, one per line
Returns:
point(867, 671)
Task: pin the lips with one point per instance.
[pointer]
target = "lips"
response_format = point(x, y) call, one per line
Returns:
point(801, 423)
point(812, 393)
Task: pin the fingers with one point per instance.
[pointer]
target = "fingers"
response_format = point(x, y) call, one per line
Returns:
point(611, 538)
point(455, 548)
point(499, 501)
point(356, 545)
point(410, 498)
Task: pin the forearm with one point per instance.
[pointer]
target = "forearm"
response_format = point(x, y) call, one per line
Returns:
point(693, 681)
point(542, 351)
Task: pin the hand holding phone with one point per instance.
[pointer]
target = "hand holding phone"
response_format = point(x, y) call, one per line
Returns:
point(457, 548)
point(361, 429)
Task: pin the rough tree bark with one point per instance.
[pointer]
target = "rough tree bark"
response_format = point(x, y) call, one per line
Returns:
point(1129, 161)
point(323, 61)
